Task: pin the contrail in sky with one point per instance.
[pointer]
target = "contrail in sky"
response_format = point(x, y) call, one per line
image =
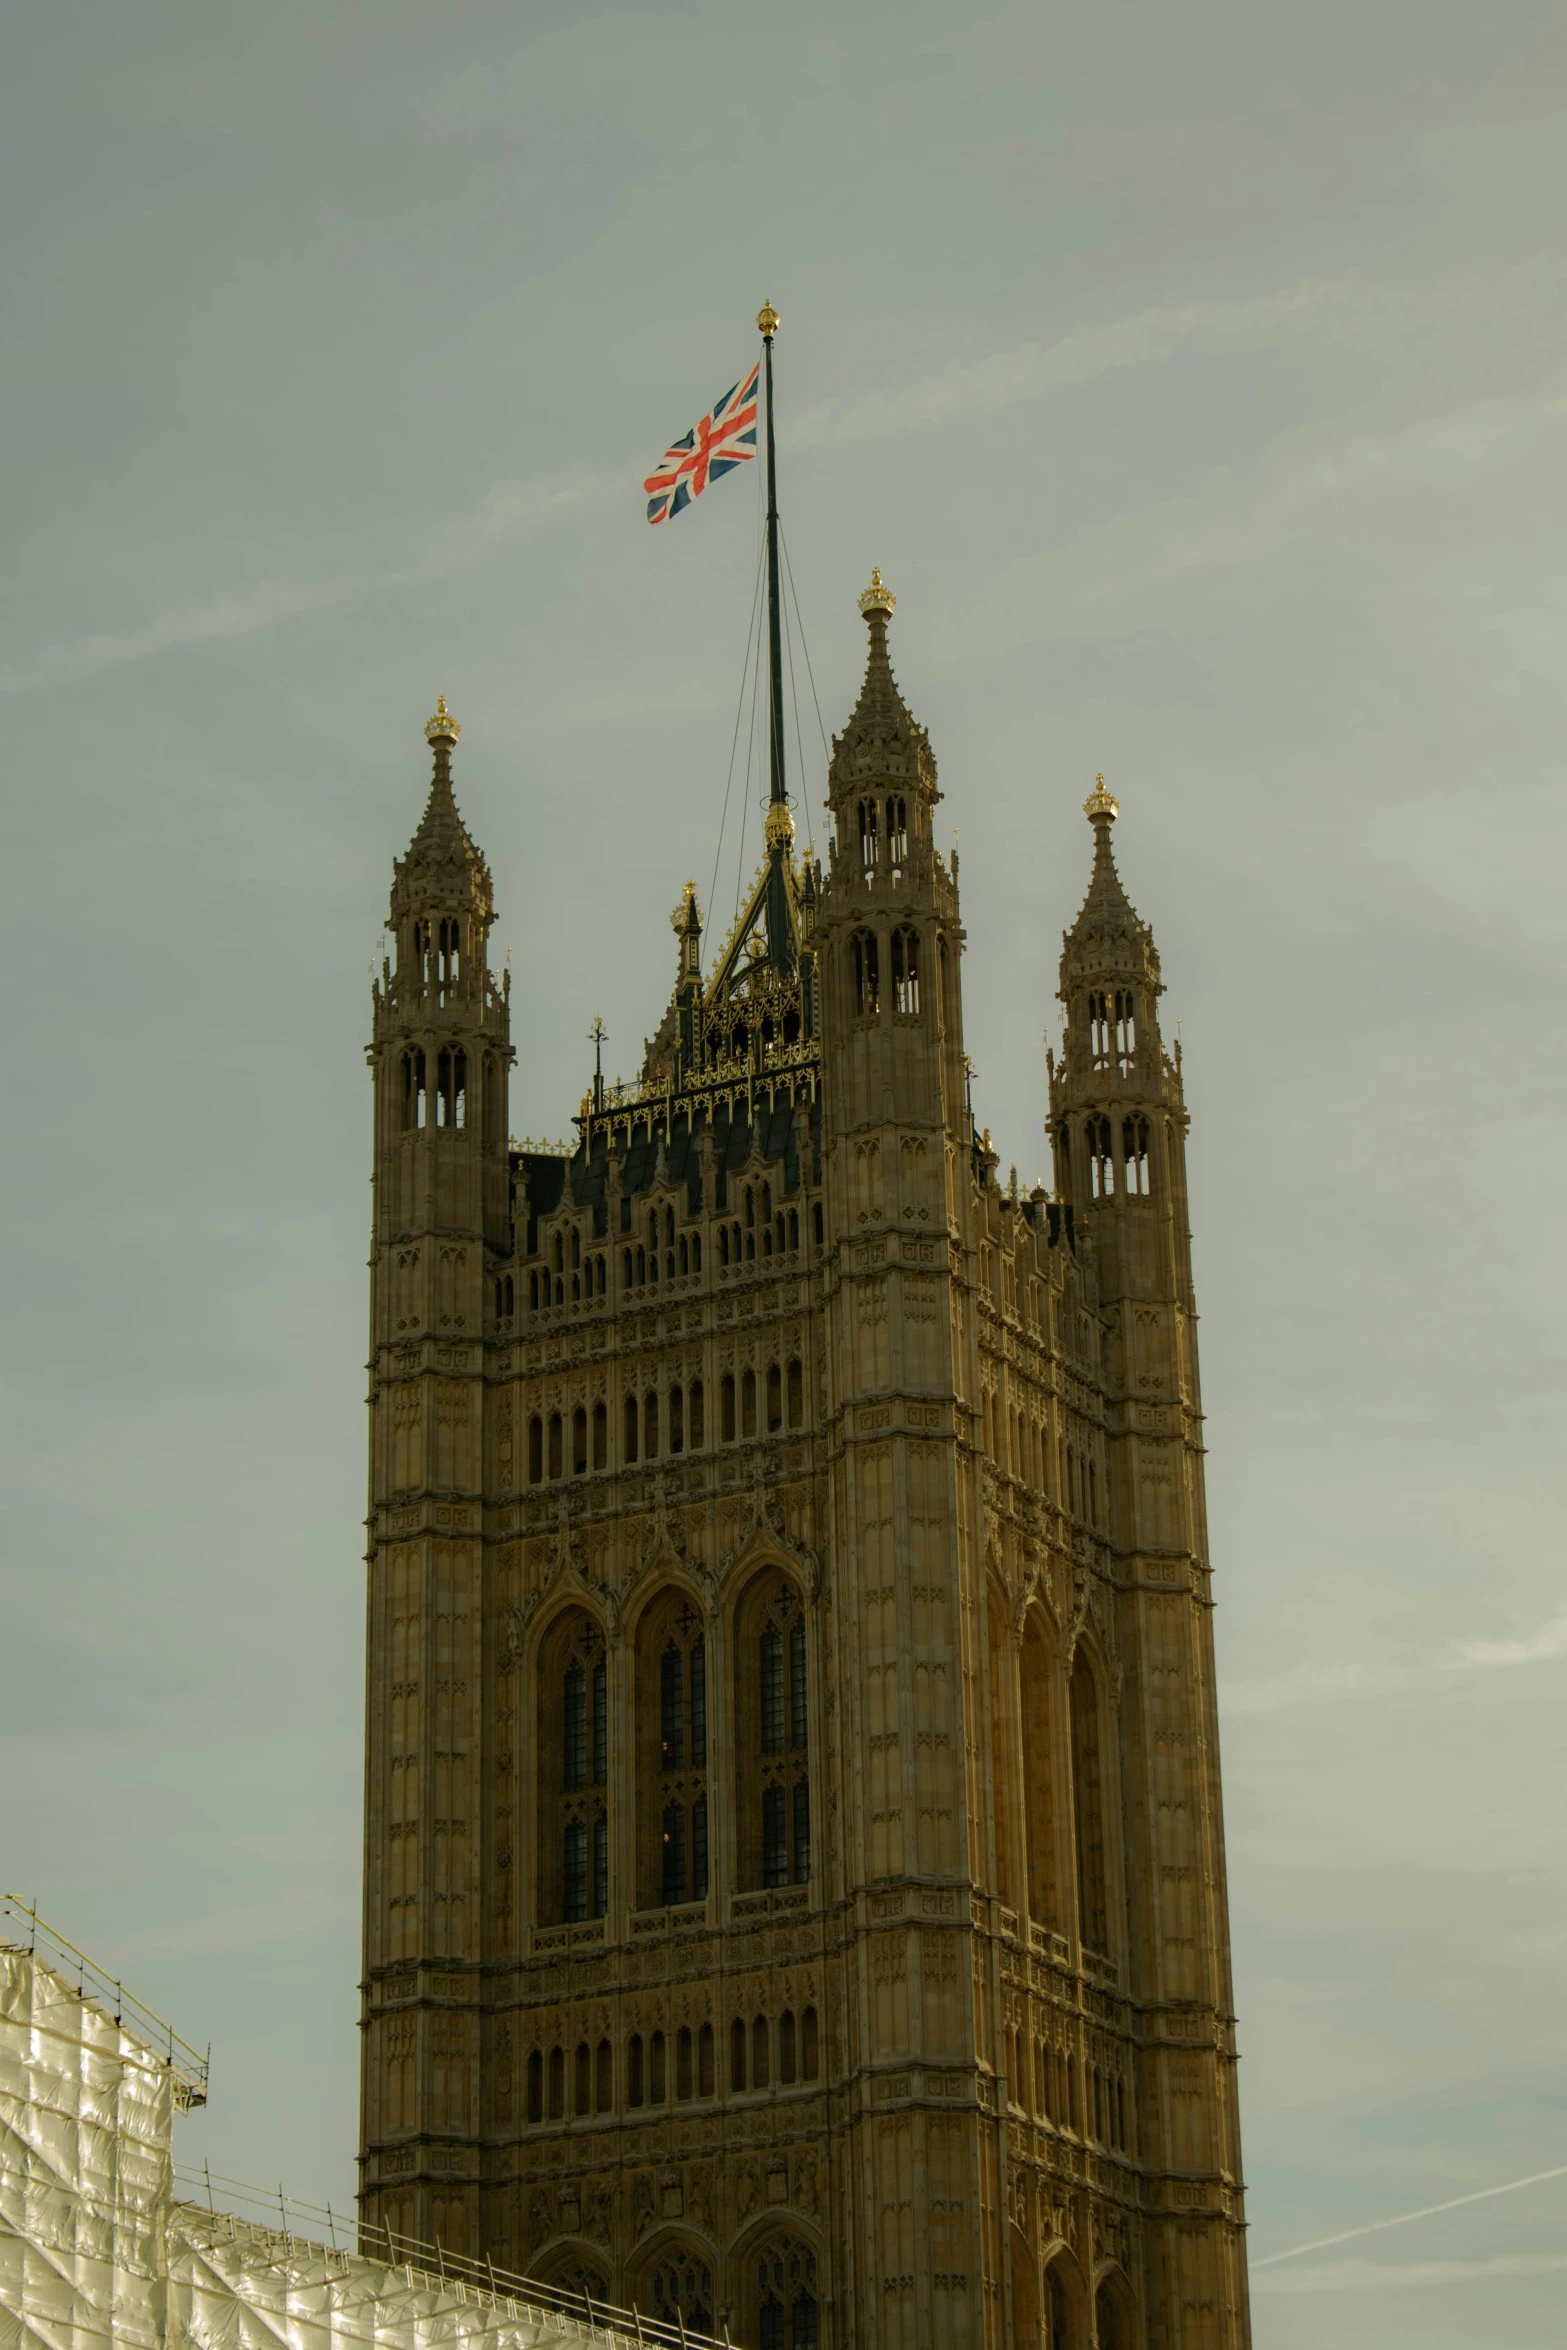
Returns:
point(1426, 2211)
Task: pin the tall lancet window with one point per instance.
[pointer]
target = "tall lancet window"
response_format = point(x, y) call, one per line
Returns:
point(870, 838)
point(1099, 1028)
point(906, 971)
point(774, 1717)
point(897, 835)
point(1125, 1029)
point(672, 1749)
point(1101, 1158)
point(573, 1772)
point(866, 968)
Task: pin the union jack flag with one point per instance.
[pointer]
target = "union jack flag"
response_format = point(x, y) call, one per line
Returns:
point(725, 438)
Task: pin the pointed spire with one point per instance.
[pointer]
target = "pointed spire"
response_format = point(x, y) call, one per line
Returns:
point(1108, 936)
point(442, 858)
point(881, 718)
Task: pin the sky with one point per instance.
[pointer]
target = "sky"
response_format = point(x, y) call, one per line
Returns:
point(1196, 374)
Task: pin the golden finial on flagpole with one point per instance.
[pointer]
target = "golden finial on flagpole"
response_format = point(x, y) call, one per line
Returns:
point(767, 319)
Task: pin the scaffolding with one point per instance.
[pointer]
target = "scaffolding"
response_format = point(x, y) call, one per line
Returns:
point(106, 2245)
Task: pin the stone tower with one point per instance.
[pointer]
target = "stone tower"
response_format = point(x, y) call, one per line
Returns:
point(794, 1890)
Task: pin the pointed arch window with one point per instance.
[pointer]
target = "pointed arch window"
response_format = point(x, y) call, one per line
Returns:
point(774, 1711)
point(451, 1087)
point(1125, 1029)
point(788, 2314)
point(415, 1107)
point(449, 951)
point(897, 835)
point(1089, 1810)
point(870, 839)
point(573, 1772)
point(672, 1653)
point(680, 2292)
point(1099, 1028)
point(1101, 1158)
point(906, 972)
point(864, 963)
point(1134, 1156)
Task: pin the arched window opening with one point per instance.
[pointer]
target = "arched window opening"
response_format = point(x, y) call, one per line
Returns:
point(680, 2293)
point(774, 1399)
point(535, 1450)
point(650, 1426)
point(761, 2070)
point(704, 2062)
point(867, 981)
point(600, 1437)
point(786, 2047)
point(1039, 1810)
point(536, 2086)
point(794, 1228)
point(629, 1446)
point(573, 1772)
point(723, 1245)
point(583, 2101)
point(748, 1404)
point(557, 2084)
point(726, 1409)
point(906, 972)
point(870, 838)
point(677, 1420)
point(655, 2069)
point(1099, 1029)
point(736, 2057)
point(673, 1671)
point(685, 1255)
point(1101, 1159)
point(641, 1264)
point(449, 951)
point(579, 1441)
point(810, 2046)
point(413, 1089)
point(1134, 1155)
point(775, 1828)
point(696, 1433)
point(1060, 2336)
point(604, 2079)
point(1107, 2320)
point(696, 1252)
point(796, 1393)
point(820, 1225)
point(1088, 1810)
point(685, 2077)
point(556, 1445)
point(636, 2093)
point(1125, 1029)
point(897, 835)
point(788, 2315)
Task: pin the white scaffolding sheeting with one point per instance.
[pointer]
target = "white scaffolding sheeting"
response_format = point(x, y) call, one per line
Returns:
point(96, 2254)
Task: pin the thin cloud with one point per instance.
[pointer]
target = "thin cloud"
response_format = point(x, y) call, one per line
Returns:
point(510, 510)
point(227, 616)
point(1339, 2276)
point(1009, 379)
point(1314, 1683)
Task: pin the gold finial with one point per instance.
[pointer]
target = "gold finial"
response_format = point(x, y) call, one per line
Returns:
point(1100, 802)
point(443, 727)
point(876, 597)
point(768, 320)
point(779, 827)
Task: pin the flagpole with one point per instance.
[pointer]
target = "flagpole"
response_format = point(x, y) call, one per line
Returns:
point(767, 320)
point(780, 830)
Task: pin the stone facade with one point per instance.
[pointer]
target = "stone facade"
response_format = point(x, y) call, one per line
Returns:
point(794, 1877)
